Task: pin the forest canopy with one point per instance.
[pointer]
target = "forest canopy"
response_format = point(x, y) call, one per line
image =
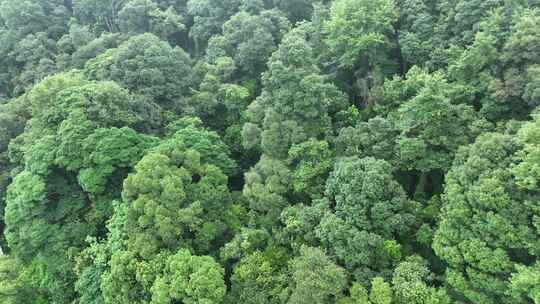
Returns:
point(269, 152)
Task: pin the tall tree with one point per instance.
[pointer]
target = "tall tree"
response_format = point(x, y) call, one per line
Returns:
point(146, 65)
point(488, 224)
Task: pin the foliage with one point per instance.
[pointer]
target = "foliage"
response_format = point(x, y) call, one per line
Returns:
point(269, 151)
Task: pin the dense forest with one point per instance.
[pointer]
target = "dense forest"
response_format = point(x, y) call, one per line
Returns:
point(269, 151)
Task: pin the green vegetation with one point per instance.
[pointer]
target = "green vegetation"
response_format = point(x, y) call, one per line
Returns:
point(270, 151)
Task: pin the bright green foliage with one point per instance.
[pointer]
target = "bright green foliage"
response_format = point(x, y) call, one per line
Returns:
point(361, 43)
point(13, 116)
point(256, 280)
point(44, 225)
point(363, 211)
point(410, 284)
point(378, 195)
point(380, 292)
point(312, 162)
point(57, 97)
point(315, 278)
point(172, 205)
point(14, 288)
point(524, 284)
point(408, 287)
point(527, 172)
point(269, 151)
point(129, 279)
point(359, 30)
point(70, 158)
point(246, 241)
point(488, 222)
point(94, 260)
point(420, 125)
point(266, 185)
point(190, 279)
point(146, 65)
point(432, 125)
point(374, 138)
point(16, 233)
point(366, 210)
point(473, 69)
point(174, 200)
point(190, 134)
point(110, 150)
point(358, 295)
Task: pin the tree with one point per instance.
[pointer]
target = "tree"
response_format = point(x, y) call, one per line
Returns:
point(296, 103)
point(411, 283)
point(315, 278)
point(190, 279)
point(144, 16)
point(418, 35)
point(14, 288)
point(257, 280)
point(38, 213)
point(35, 54)
point(423, 121)
point(67, 160)
point(366, 211)
point(13, 117)
point(93, 49)
point(101, 15)
point(359, 29)
point(360, 40)
point(146, 65)
point(519, 56)
point(312, 163)
point(362, 216)
point(108, 151)
point(485, 228)
point(524, 283)
point(249, 40)
point(296, 10)
point(269, 151)
point(373, 138)
point(219, 102)
point(208, 17)
point(381, 293)
point(462, 17)
point(31, 16)
point(266, 187)
point(187, 201)
point(174, 200)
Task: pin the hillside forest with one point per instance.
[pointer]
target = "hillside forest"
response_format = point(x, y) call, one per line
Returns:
point(270, 151)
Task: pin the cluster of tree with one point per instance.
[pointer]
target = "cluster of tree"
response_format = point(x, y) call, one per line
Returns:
point(270, 151)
